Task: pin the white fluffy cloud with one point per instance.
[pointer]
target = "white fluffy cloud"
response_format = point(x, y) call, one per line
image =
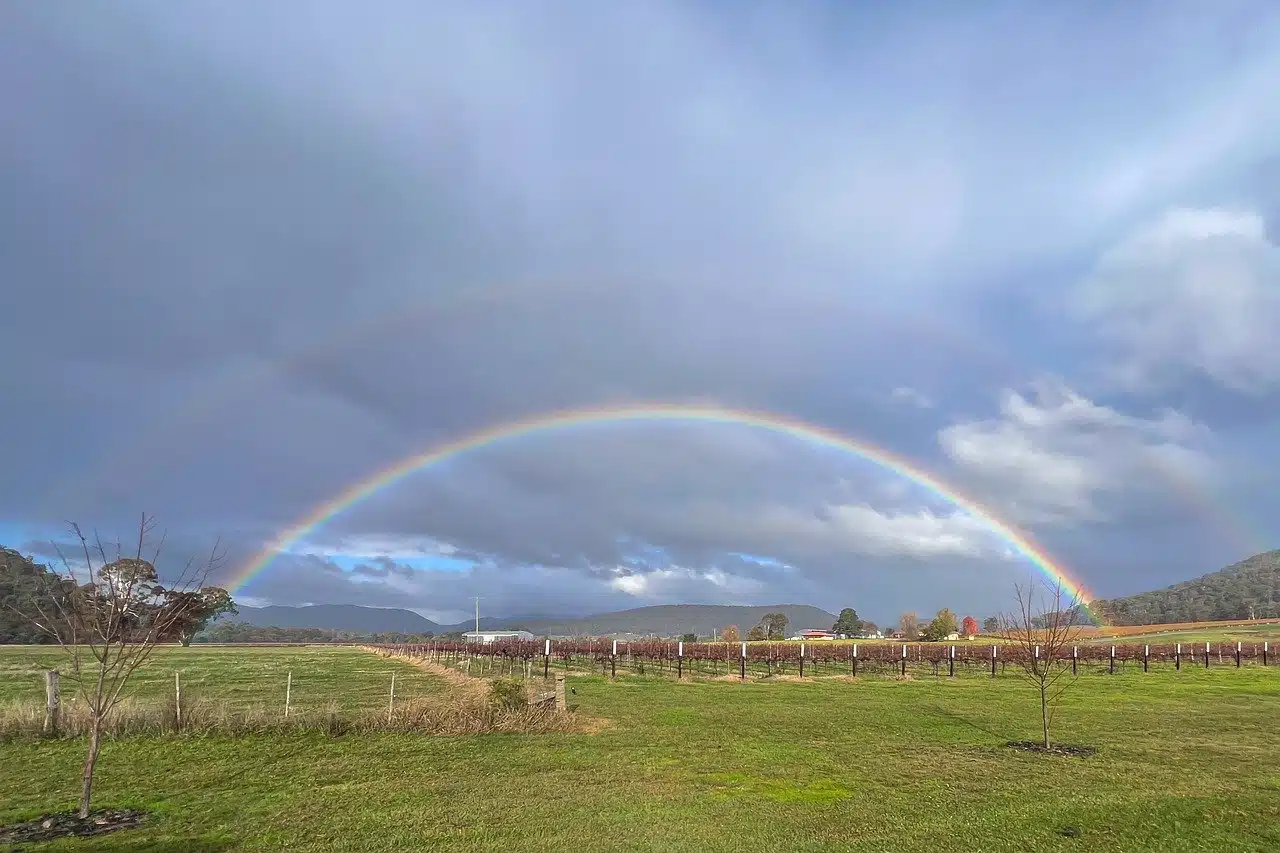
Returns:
point(1057, 457)
point(834, 531)
point(391, 546)
point(1193, 291)
point(683, 582)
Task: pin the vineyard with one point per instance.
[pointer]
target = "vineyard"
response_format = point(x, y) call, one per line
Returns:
point(763, 660)
point(1173, 627)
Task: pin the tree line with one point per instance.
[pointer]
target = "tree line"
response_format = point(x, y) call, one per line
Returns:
point(942, 625)
point(34, 599)
point(243, 632)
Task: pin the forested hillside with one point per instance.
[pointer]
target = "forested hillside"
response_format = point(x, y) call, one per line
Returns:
point(1248, 589)
point(20, 577)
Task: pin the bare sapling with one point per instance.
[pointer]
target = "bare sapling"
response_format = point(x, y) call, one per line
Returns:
point(108, 615)
point(1046, 624)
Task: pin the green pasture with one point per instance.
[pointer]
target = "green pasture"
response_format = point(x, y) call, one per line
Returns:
point(1187, 761)
point(1229, 635)
point(243, 677)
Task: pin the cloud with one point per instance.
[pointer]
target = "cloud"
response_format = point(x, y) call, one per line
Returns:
point(911, 397)
point(1058, 458)
point(241, 279)
point(1195, 290)
point(834, 531)
point(678, 583)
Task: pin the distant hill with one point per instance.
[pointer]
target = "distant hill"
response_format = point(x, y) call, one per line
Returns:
point(1250, 588)
point(671, 620)
point(336, 617)
point(668, 620)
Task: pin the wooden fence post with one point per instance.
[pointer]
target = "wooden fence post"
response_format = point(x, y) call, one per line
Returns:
point(952, 670)
point(993, 660)
point(742, 664)
point(1264, 652)
point(904, 660)
point(177, 699)
point(802, 660)
point(854, 660)
point(680, 661)
point(562, 702)
point(1237, 654)
point(1075, 659)
point(546, 659)
point(1206, 654)
point(391, 703)
point(52, 702)
point(1177, 656)
point(288, 692)
point(1146, 658)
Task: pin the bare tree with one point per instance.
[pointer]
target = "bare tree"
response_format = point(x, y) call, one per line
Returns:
point(1046, 623)
point(109, 624)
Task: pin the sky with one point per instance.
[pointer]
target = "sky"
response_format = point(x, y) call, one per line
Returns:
point(253, 256)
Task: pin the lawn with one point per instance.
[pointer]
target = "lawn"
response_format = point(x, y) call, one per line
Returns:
point(1187, 761)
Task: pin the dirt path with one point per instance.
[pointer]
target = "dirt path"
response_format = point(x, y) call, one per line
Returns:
point(459, 683)
point(473, 689)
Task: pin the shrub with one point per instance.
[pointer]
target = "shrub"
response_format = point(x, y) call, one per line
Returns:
point(507, 694)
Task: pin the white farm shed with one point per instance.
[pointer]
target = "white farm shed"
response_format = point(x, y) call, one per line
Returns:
point(496, 636)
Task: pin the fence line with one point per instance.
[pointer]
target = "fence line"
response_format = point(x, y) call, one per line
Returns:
point(682, 660)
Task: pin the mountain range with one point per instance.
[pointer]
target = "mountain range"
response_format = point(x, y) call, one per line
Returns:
point(1243, 590)
point(1247, 589)
point(661, 620)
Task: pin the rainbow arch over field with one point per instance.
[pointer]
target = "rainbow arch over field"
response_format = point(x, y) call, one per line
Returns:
point(1019, 541)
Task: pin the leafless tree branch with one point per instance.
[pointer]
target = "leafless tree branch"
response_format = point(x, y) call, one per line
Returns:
point(114, 619)
point(1041, 630)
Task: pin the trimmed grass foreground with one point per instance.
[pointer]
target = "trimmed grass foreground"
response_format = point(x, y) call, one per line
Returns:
point(1187, 761)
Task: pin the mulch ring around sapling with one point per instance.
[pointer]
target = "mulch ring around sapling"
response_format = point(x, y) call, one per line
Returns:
point(1053, 749)
point(71, 825)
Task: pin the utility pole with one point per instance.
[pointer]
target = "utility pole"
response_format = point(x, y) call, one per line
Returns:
point(477, 599)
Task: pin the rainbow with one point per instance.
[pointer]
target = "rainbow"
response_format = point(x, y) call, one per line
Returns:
point(813, 434)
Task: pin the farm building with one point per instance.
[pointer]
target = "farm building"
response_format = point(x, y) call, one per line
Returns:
point(496, 636)
point(817, 634)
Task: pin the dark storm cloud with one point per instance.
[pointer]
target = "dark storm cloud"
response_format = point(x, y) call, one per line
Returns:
point(249, 260)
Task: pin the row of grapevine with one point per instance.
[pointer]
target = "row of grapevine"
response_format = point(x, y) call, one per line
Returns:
point(700, 659)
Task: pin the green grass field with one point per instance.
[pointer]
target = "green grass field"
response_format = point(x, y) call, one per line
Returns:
point(1188, 761)
point(1229, 634)
point(351, 678)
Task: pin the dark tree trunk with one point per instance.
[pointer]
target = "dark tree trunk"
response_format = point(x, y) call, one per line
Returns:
point(1044, 715)
point(90, 763)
